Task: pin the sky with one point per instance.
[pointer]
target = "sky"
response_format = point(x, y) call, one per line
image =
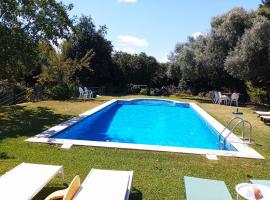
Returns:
point(154, 26)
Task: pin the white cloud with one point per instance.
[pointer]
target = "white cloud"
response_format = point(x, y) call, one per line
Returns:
point(128, 40)
point(125, 49)
point(164, 60)
point(127, 1)
point(197, 34)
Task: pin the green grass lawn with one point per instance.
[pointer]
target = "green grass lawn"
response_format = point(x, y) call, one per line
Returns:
point(157, 175)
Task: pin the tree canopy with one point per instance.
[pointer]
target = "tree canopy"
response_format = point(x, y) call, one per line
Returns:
point(250, 60)
point(87, 37)
point(139, 69)
point(235, 51)
point(23, 24)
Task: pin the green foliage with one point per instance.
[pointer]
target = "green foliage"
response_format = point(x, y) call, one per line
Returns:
point(58, 74)
point(264, 9)
point(139, 69)
point(144, 91)
point(250, 60)
point(63, 91)
point(18, 54)
point(236, 49)
point(256, 94)
point(87, 37)
point(265, 3)
point(41, 20)
point(58, 69)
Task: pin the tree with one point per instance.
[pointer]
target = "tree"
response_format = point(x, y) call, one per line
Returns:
point(265, 3)
point(38, 21)
point(250, 59)
point(60, 70)
point(226, 31)
point(138, 69)
point(199, 64)
point(264, 9)
point(58, 75)
point(86, 37)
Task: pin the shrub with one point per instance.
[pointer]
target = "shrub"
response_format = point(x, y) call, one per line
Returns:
point(144, 91)
point(201, 94)
point(155, 92)
point(184, 94)
point(63, 92)
point(165, 91)
point(209, 94)
point(256, 94)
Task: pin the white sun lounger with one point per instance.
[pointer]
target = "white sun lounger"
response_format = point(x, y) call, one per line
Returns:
point(105, 184)
point(265, 113)
point(25, 180)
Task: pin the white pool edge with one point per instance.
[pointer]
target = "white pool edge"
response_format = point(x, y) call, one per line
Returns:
point(243, 150)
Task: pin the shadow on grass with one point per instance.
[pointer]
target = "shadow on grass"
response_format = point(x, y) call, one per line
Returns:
point(199, 99)
point(17, 121)
point(267, 123)
point(260, 108)
point(5, 156)
point(134, 195)
point(47, 191)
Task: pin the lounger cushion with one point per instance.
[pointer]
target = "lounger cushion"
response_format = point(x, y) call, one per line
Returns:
point(198, 189)
point(68, 193)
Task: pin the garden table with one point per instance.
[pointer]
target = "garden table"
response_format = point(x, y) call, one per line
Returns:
point(246, 191)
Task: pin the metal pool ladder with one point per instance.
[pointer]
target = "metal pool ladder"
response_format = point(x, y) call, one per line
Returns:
point(240, 122)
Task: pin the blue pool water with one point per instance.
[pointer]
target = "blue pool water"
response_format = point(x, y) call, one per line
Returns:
point(151, 122)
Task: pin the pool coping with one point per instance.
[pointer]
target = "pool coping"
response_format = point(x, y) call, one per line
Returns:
point(243, 150)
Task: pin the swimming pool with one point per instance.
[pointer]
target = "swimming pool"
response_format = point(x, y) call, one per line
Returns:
point(148, 124)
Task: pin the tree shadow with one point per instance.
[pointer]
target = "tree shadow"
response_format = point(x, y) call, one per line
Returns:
point(17, 121)
point(260, 107)
point(267, 123)
point(5, 156)
point(194, 98)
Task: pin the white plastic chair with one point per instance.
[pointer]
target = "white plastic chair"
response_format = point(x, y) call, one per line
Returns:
point(82, 93)
point(89, 93)
point(223, 98)
point(215, 97)
point(234, 98)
